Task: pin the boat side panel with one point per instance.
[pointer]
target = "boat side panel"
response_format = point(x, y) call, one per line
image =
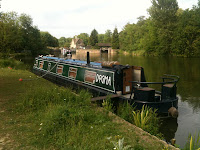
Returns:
point(95, 77)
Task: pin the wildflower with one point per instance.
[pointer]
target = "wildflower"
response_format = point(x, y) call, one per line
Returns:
point(91, 127)
point(40, 128)
point(41, 124)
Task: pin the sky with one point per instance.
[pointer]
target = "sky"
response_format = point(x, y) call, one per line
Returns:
point(67, 18)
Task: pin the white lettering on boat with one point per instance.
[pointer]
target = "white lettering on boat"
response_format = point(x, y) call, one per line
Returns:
point(103, 79)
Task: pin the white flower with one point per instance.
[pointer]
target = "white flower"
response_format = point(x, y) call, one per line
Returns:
point(41, 124)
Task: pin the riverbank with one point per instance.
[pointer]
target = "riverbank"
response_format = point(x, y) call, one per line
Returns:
point(37, 114)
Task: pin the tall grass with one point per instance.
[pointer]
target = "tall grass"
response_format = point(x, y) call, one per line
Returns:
point(12, 64)
point(193, 142)
point(108, 105)
point(147, 119)
point(125, 110)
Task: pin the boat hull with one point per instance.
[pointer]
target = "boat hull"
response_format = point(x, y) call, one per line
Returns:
point(161, 107)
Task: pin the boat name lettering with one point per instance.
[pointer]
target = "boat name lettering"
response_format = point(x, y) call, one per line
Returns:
point(103, 79)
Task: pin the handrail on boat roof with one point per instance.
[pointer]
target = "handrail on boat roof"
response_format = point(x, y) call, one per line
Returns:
point(173, 77)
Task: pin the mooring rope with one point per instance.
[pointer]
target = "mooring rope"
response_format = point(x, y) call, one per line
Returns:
point(39, 77)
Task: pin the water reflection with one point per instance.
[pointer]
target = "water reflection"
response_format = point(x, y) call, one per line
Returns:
point(168, 128)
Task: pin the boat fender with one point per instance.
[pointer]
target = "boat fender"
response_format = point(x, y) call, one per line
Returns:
point(173, 112)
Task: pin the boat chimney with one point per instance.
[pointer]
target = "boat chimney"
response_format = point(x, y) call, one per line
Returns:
point(88, 58)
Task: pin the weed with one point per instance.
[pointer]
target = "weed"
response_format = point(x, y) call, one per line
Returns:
point(107, 104)
point(119, 145)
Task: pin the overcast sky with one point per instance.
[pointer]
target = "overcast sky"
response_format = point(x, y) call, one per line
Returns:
point(72, 17)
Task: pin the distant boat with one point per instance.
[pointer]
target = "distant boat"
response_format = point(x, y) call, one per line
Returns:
point(105, 78)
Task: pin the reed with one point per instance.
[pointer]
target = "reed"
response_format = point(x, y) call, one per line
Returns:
point(147, 119)
point(193, 142)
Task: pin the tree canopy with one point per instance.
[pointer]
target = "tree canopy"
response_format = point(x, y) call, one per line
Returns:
point(93, 40)
point(169, 30)
point(115, 39)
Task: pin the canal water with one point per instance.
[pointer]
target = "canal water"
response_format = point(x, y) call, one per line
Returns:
point(188, 88)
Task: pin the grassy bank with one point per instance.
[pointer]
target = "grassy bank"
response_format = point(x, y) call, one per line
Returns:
point(36, 114)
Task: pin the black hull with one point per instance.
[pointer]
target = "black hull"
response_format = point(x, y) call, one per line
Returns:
point(162, 107)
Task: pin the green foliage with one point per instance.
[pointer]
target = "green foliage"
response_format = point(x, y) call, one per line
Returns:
point(193, 142)
point(84, 37)
point(107, 104)
point(168, 31)
point(93, 39)
point(48, 39)
point(125, 111)
point(120, 145)
point(147, 119)
point(12, 64)
point(115, 39)
point(64, 42)
point(107, 37)
point(100, 38)
point(18, 34)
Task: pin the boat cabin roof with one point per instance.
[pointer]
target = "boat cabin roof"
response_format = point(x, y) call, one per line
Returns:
point(74, 61)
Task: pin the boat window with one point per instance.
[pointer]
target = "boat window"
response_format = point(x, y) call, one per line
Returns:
point(60, 69)
point(72, 72)
point(41, 64)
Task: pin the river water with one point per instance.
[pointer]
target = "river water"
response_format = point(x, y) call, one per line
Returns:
point(188, 88)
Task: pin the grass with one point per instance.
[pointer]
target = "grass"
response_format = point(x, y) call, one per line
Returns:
point(38, 114)
point(193, 142)
point(12, 64)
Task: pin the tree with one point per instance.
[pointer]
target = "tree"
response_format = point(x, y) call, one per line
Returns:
point(163, 15)
point(93, 40)
point(100, 38)
point(30, 35)
point(107, 36)
point(48, 39)
point(115, 39)
point(10, 36)
point(62, 41)
point(126, 37)
point(84, 37)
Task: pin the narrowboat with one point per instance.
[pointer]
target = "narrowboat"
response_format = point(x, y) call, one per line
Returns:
point(111, 78)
